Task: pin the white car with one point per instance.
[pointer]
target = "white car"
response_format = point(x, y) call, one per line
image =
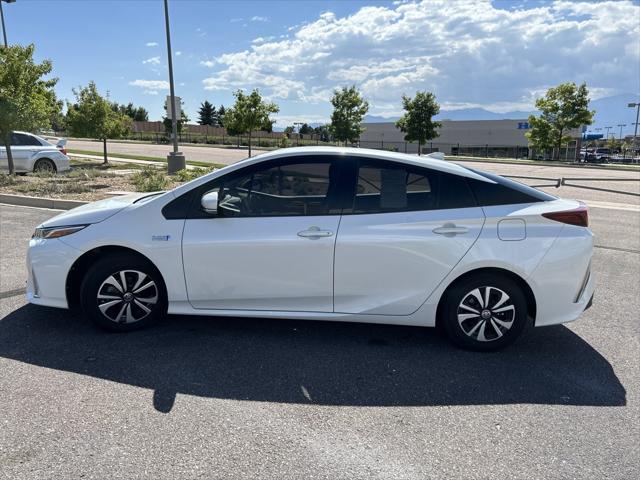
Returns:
point(32, 153)
point(342, 234)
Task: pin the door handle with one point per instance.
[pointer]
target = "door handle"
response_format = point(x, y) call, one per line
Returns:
point(450, 230)
point(315, 232)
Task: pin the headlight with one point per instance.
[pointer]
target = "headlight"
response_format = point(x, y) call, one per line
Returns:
point(56, 232)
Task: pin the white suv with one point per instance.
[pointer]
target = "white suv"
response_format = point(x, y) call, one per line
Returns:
point(32, 154)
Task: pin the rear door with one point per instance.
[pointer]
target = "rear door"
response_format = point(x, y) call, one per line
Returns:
point(405, 230)
point(23, 148)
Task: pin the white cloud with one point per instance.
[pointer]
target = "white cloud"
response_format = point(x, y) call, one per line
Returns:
point(150, 87)
point(152, 61)
point(151, 44)
point(469, 52)
point(207, 63)
point(178, 53)
point(257, 18)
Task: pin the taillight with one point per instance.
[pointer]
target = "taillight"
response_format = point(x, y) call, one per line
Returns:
point(578, 216)
point(63, 151)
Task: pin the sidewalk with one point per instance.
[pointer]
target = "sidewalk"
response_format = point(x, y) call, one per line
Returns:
point(125, 160)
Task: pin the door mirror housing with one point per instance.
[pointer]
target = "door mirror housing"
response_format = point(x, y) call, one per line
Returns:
point(209, 202)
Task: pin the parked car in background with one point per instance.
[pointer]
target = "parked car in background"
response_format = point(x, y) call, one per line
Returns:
point(323, 233)
point(32, 153)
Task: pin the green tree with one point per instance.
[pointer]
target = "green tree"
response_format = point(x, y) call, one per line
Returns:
point(348, 110)
point(322, 132)
point(221, 113)
point(305, 129)
point(249, 114)
point(562, 109)
point(289, 130)
point(138, 114)
point(418, 124)
point(207, 114)
point(27, 102)
point(93, 116)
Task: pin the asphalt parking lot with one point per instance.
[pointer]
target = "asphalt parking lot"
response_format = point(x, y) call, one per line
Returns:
point(237, 398)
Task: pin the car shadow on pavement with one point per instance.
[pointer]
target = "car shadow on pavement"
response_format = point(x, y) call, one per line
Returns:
point(313, 362)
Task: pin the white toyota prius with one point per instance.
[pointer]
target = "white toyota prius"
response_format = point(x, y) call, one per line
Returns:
point(326, 234)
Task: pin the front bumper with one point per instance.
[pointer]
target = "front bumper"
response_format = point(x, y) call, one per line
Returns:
point(48, 263)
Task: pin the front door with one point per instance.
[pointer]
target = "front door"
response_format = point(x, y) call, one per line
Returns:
point(271, 244)
point(405, 231)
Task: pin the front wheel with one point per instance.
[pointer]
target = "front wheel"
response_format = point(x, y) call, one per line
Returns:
point(123, 293)
point(485, 312)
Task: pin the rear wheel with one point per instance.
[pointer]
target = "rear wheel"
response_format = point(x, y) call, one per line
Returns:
point(123, 292)
point(485, 312)
point(44, 165)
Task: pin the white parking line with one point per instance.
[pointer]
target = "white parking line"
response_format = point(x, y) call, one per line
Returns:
point(614, 206)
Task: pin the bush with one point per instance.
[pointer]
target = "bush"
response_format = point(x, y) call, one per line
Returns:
point(150, 179)
point(43, 188)
point(89, 173)
point(185, 175)
point(6, 180)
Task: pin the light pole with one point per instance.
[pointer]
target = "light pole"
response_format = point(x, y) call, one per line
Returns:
point(621, 125)
point(175, 159)
point(4, 29)
point(635, 132)
point(608, 128)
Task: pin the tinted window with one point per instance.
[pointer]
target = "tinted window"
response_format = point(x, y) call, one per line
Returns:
point(505, 191)
point(285, 188)
point(22, 140)
point(390, 187)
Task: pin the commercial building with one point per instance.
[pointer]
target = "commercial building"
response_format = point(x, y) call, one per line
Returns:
point(491, 138)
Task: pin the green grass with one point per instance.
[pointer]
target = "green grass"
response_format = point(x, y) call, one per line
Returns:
point(150, 179)
point(145, 158)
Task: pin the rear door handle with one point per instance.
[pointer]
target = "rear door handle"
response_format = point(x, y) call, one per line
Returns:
point(450, 230)
point(315, 232)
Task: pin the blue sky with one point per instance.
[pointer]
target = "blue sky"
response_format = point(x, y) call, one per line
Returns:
point(497, 55)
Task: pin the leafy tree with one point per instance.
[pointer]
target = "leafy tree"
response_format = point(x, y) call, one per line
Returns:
point(348, 110)
point(563, 108)
point(305, 129)
point(322, 132)
point(207, 114)
point(93, 116)
point(27, 102)
point(289, 130)
point(138, 114)
point(221, 112)
point(166, 121)
point(418, 124)
point(249, 114)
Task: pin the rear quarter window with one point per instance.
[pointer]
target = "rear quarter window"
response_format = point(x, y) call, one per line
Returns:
point(504, 191)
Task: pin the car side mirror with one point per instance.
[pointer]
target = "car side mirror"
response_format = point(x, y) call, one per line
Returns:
point(209, 202)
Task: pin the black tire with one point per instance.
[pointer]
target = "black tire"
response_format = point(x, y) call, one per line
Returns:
point(129, 313)
point(502, 325)
point(44, 165)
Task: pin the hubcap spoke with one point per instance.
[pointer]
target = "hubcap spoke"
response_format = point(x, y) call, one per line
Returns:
point(113, 282)
point(504, 309)
point(144, 287)
point(476, 293)
point(495, 328)
point(105, 306)
point(141, 278)
point(467, 307)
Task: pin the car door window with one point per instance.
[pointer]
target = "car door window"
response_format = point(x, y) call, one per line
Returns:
point(22, 140)
point(392, 187)
point(284, 188)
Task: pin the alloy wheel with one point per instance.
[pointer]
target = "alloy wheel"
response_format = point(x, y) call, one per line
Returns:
point(127, 296)
point(486, 313)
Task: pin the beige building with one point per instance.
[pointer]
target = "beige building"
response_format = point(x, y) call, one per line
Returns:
point(464, 137)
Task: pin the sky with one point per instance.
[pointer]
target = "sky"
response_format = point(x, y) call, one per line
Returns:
point(499, 55)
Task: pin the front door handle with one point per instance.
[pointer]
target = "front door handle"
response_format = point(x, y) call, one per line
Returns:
point(450, 230)
point(315, 232)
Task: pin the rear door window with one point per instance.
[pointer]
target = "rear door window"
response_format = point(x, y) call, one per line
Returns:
point(22, 140)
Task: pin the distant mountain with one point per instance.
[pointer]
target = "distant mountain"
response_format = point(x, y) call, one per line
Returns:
point(610, 111)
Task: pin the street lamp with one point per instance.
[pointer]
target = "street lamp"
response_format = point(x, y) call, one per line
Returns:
point(4, 30)
point(175, 159)
point(637, 106)
point(621, 125)
point(608, 128)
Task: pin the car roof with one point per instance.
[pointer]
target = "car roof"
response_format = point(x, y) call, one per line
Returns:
point(419, 161)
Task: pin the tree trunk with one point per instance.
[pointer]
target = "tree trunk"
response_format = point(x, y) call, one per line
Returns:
point(419, 147)
point(249, 143)
point(104, 151)
point(7, 144)
point(559, 145)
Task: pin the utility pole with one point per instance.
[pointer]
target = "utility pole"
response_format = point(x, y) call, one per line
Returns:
point(4, 29)
point(635, 131)
point(607, 128)
point(621, 125)
point(175, 159)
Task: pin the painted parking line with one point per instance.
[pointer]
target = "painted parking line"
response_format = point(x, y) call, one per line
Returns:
point(629, 207)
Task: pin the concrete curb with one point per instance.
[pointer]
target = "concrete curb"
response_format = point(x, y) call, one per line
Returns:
point(54, 203)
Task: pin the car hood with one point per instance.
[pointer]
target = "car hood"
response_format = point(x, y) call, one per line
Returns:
point(94, 212)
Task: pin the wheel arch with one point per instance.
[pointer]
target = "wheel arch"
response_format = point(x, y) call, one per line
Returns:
point(79, 268)
point(44, 159)
point(521, 282)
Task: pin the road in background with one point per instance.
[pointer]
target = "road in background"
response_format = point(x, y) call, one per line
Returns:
point(240, 398)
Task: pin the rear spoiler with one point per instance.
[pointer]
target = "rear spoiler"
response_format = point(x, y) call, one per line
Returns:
point(61, 142)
